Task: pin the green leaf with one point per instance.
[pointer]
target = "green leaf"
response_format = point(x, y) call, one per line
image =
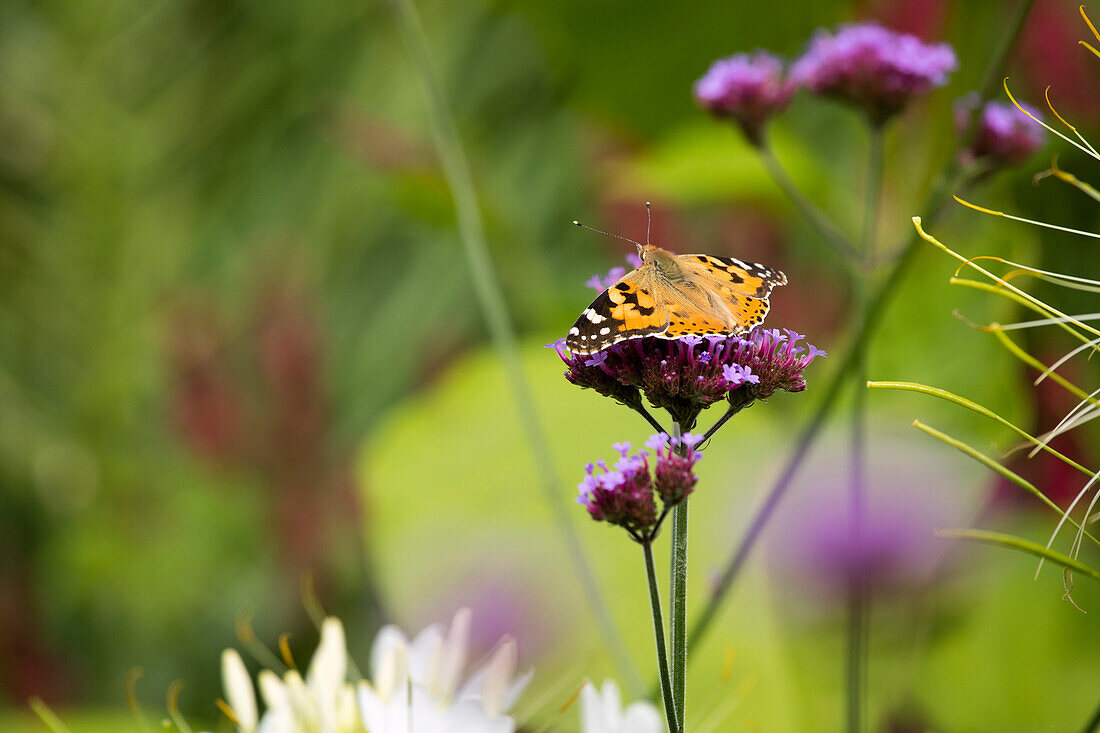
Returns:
point(1013, 542)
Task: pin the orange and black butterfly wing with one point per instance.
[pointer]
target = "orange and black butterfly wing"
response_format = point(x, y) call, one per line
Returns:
point(630, 308)
point(741, 288)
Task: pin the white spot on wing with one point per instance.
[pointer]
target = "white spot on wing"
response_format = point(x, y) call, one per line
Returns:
point(604, 331)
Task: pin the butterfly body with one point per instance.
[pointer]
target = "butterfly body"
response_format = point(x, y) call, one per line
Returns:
point(672, 295)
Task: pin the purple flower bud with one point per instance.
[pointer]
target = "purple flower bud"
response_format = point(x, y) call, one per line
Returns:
point(675, 458)
point(873, 67)
point(747, 88)
point(624, 496)
point(1003, 135)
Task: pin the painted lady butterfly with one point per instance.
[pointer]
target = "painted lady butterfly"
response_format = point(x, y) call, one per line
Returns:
point(674, 295)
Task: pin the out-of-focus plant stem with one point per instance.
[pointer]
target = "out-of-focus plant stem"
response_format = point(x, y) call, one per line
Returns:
point(659, 636)
point(679, 595)
point(949, 180)
point(1094, 723)
point(809, 211)
point(857, 602)
point(456, 170)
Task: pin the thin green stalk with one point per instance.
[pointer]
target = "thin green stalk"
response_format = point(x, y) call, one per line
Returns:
point(679, 597)
point(659, 637)
point(935, 205)
point(809, 211)
point(457, 172)
point(1013, 542)
point(1094, 723)
point(857, 603)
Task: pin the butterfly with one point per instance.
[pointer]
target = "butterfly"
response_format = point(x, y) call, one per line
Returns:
point(673, 295)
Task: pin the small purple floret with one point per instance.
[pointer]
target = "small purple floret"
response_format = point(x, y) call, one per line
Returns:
point(1004, 135)
point(873, 67)
point(626, 496)
point(688, 374)
point(747, 88)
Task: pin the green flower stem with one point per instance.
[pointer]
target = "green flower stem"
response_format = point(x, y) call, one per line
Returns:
point(857, 602)
point(457, 173)
point(659, 637)
point(875, 308)
point(1094, 723)
point(809, 211)
point(679, 597)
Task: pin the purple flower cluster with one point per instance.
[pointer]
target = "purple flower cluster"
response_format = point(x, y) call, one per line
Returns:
point(873, 67)
point(690, 373)
point(1003, 135)
point(625, 495)
point(747, 88)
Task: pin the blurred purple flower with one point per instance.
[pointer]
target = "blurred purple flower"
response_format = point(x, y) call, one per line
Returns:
point(690, 373)
point(1003, 135)
point(815, 549)
point(747, 88)
point(600, 284)
point(873, 67)
point(625, 494)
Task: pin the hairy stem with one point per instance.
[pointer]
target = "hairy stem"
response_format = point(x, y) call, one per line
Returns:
point(456, 170)
point(659, 637)
point(679, 596)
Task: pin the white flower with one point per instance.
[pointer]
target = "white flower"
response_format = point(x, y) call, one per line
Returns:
point(323, 702)
point(602, 712)
point(421, 680)
point(417, 687)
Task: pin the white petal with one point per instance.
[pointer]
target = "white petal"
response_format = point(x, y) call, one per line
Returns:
point(516, 690)
point(612, 704)
point(642, 717)
point(392, 674)
point(388, 638)
point(272, 689)
point(593, 719)
point(469, 717)
point(425, 654)
point(427, 715)
point(454, 653)
point(301, 702)
point(498, 676)
point(329, 666)
point(278, 720)
point(239, 692)
point(327, 671)
point(371, 708)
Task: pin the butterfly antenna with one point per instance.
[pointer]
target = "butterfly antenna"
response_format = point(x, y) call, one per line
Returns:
point(601, 231)
point(648, 221)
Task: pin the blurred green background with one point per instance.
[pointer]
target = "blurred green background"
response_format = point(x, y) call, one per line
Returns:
point(240, 346)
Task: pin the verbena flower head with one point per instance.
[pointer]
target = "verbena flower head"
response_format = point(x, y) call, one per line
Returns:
point(873, 67)
point(688, 374)
point(815, 550)
point(602, 712)
point(415, 687)
point(1003, 135)
point(625, 494)
point(673, 477)
point(747, 88)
